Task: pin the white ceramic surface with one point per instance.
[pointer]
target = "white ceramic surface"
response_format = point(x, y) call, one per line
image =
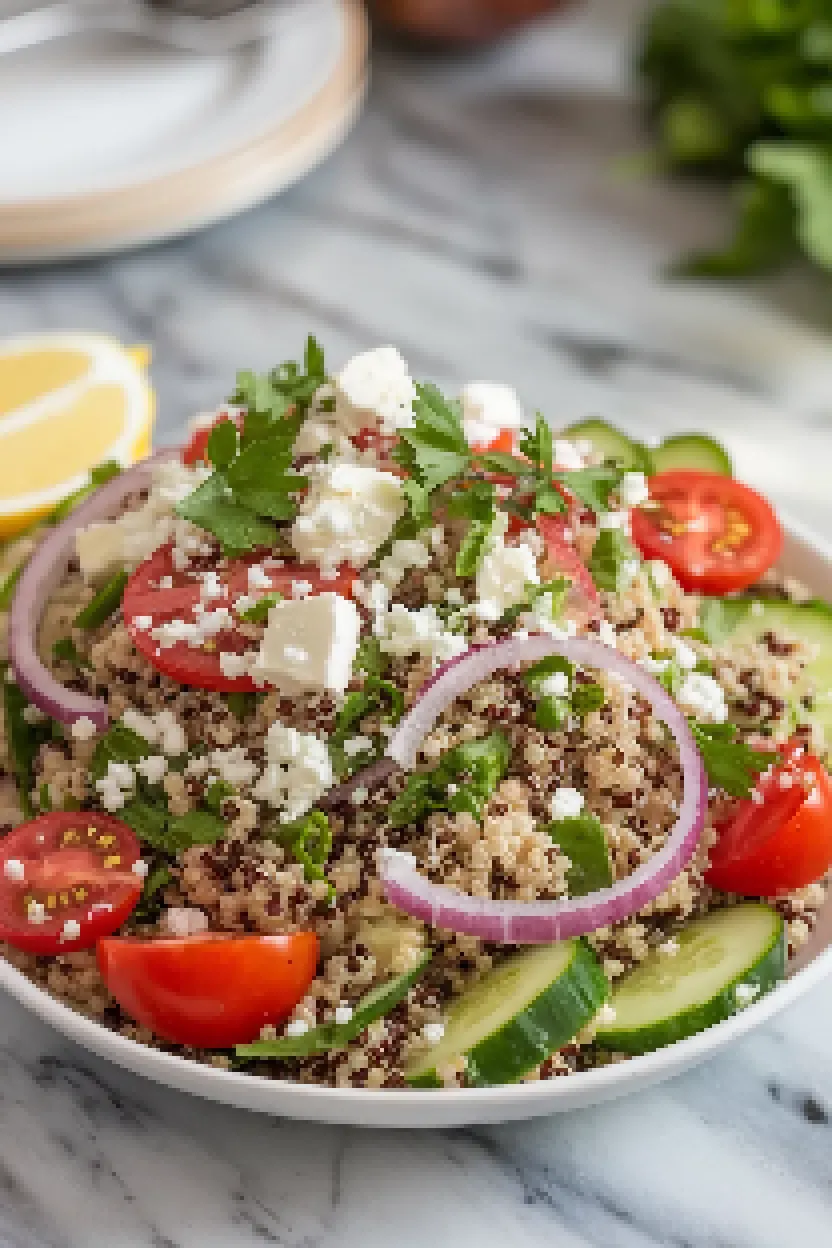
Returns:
point(805, 557)
point(96, 124)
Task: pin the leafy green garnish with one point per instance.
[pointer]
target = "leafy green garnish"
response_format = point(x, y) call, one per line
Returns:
point(731, 765)
point(587, 698)
point(309, 840)
point(253, 485)
point(171, 834)
point(375, 1004)
point(435, 449)
point(151, 903)
point(581, 838)
point(10, 584)
point(742, 90)
point(376, 696)
point(65, 650)
point(119, 744)
point(216, 793)
point(463, 780)
point(613, 560)
point(259, 612)
point(100, 475)
point(242, 703)
point(103, 604)
point(556, 590)
point(479, 504)
point(23, 741)
point(44, 799)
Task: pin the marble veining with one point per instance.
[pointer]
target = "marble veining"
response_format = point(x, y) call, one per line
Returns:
point(479, 219)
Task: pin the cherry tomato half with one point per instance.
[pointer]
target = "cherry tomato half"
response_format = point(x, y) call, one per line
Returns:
point(562, 559)
point(715, 534)
point(209, 991)
point(783, 842)
point(146, 605)
point(66, 879)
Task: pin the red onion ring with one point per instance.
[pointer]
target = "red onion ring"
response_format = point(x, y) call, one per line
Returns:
point(41, 576)
point(538, 922)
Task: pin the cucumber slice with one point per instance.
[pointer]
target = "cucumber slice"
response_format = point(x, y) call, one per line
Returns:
point(612, 444)
point(745, 619)
point(725, 961)
point(694, 451)
point(517, 1015)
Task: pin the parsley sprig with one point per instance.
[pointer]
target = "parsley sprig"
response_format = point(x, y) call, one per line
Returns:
point(253, 487)
point(444, 470)
point(731, 765)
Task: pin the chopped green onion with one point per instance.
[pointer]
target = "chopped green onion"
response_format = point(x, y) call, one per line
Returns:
point(104, 604)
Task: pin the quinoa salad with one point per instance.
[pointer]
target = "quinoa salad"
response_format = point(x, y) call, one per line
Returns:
point(379, 738)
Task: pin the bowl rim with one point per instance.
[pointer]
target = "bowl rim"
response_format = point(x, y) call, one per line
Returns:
point(314, 1101)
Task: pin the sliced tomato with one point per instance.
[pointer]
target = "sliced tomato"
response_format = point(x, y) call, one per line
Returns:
point(562, 559)
point(209, 991)
point(196, 449)
point(148, 603)
point(716, 534)
point(66, 879)
point(783, 841)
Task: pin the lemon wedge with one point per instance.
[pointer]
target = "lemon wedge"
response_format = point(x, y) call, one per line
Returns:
point(68, 401)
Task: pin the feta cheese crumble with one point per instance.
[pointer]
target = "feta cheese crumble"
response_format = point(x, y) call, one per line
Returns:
point(487, 408)
point(14, 870)
point(503, 578)
point(83, 729)
point(298, 771)
point(374, 388)
point(566, 803)
point(309, 643)
point(418, 632)
point(702, 696)
point(348, 512)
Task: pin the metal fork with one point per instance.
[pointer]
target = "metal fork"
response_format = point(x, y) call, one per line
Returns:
point(208, 26)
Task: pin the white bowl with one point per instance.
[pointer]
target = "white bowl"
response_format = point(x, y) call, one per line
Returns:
point(807, 558)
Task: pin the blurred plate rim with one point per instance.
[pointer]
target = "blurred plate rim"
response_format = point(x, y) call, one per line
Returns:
point(92, 223)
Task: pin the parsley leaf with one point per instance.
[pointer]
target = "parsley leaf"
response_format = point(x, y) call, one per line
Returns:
point(253, 487)
point(151, 903)
point(119, 744)
point(259, 612)
point(64, 650)
point(104, 604)
point(613, 560)
point(478, 504)
point(581, 838)
point(731, 764)
point(464, 780)
point(23, 741)
point(435, 449)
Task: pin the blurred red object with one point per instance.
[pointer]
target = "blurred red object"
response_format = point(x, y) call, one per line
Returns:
point(459, 21)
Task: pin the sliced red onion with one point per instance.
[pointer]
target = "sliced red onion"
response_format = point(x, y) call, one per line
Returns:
point(41, 576)
point(538, 922)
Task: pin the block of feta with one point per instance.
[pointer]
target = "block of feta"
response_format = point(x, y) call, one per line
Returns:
point(374, 389)
point(104, 549)
point(349, 511)
point(298, 771)
point(702, 696)
point(488, 407)
point(309, 643)
point(503, 579)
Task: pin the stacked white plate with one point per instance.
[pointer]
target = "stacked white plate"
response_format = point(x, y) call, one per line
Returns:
point(108, 141)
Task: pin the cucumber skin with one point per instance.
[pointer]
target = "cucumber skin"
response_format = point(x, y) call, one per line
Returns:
point(612, 443)
point(765, 974)
point(694, 452)
point(548, 1023)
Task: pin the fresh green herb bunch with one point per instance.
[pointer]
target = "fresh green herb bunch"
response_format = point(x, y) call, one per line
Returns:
point(743, 89)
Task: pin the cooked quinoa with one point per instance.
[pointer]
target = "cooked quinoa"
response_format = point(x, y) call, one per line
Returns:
point(617, 758)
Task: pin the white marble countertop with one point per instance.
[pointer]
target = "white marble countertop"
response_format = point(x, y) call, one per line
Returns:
point(476, 218)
